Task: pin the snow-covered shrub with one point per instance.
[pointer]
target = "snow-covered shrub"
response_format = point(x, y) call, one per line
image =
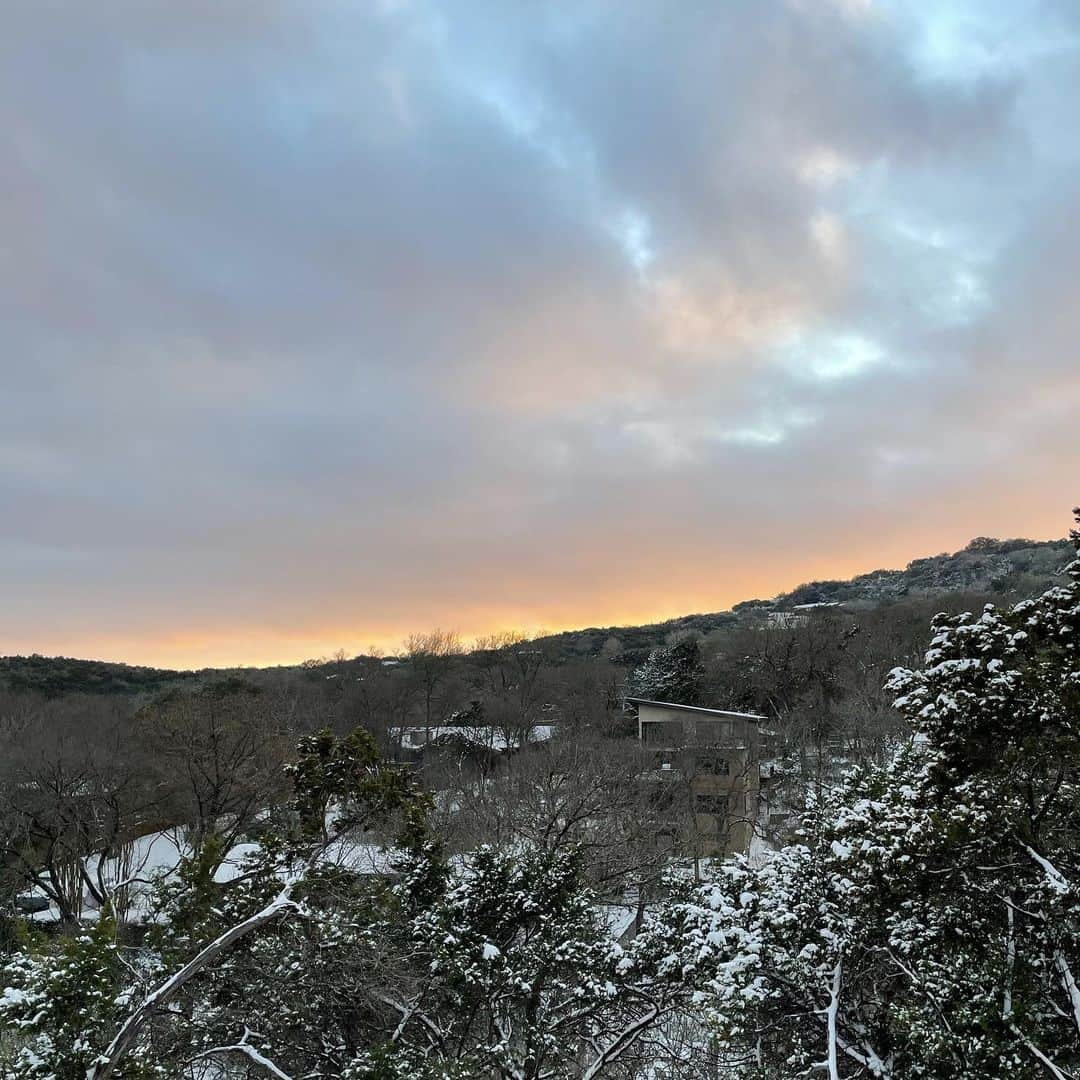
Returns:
point(59, 1001)
point(929, 925)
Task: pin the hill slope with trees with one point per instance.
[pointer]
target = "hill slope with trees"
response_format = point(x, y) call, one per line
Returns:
point(923, 923)
point(1007, 569)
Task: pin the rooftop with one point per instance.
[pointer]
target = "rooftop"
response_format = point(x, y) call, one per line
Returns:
point(483, 736)
point(697, 709)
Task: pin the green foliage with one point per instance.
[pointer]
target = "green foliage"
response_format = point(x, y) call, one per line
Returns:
point(388, 1061)
point(420, 862)
point(53, 676)
point(507, 952)
point(346, 774)
point(184, 909)
point(671, 674)
point(231, 684)
point(62, 1004)
point(15, 934)
point(934, 908)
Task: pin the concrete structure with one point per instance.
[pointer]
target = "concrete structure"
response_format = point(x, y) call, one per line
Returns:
point(706, 765)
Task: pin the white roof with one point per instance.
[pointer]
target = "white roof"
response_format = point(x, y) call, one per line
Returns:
point(692, 709)
point(487, 737)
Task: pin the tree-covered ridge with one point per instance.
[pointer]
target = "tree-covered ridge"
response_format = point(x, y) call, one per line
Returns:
point(56, 675)
point(1001, 567)
point(985, 565)
point(1016, 567)
point(924, 923)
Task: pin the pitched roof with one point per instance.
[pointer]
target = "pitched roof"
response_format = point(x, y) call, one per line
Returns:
point(694, 709)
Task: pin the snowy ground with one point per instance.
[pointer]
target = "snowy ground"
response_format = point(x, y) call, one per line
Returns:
point(156, 856)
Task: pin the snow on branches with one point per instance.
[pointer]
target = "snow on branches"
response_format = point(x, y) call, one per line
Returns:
point(929, 924)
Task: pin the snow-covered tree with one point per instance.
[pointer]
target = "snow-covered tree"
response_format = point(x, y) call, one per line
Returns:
point(226, 957)
point(929, 926)
point(516, 975)
point(53, 1000)
point(671, 673)
point(496, 963)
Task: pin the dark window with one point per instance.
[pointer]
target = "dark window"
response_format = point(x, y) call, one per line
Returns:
point(663, 733)
point(713, 763)
point(710, 804)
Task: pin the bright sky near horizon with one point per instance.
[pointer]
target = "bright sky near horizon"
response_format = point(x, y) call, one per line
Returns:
point(324, 322)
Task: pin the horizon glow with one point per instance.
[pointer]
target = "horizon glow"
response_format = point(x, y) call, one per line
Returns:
point(329, 323)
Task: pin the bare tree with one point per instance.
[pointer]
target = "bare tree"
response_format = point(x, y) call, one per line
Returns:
point(432, 657)
point(580, 792)
point(512, 676)
point(222, 747)
point(74, 786)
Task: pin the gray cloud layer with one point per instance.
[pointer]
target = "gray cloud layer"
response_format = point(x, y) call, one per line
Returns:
point(322, 322)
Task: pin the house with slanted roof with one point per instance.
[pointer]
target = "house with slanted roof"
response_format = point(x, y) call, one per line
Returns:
point(705, 764)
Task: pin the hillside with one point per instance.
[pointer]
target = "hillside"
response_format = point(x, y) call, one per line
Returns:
point(55, 675)
point(1005, 568)
point(985, 565)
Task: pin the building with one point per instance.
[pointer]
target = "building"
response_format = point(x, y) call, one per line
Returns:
point(705, 763)
point(416, 743)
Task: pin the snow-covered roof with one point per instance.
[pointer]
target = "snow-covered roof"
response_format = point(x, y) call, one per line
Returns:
point(692, 709)
point(617, 918)
point(149, 858)
point(483, 736)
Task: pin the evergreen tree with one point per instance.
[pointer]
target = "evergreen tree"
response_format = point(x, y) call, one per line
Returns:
point(515, 975)
point(271, 948)
point(53, 1001)
point(673, 673)
point(930, 925)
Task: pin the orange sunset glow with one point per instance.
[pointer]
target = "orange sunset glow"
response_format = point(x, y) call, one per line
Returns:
point(540, 540)
point(327, 324)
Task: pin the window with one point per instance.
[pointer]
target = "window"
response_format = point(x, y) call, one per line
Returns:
point(710, 804)
point(718, 731)
point(713, 763)
point(662, 733)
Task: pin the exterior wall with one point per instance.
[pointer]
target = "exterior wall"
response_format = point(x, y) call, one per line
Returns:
point(714, 760)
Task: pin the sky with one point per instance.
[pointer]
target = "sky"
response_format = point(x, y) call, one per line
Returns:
point(326, 322)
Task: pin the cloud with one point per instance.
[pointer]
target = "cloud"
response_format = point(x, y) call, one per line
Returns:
point(326, 322)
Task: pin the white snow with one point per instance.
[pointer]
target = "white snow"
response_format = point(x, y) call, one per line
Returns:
point(484, 737)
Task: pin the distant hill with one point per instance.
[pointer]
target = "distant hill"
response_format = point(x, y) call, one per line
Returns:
point(1009, 568)
point(985, 565)
point(629, 644)
point(56, 675)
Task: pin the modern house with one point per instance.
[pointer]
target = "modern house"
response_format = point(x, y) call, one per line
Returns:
point(706, 765)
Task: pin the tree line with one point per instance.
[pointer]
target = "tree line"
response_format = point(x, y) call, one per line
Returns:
point(925, 922)
point(519, 921)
